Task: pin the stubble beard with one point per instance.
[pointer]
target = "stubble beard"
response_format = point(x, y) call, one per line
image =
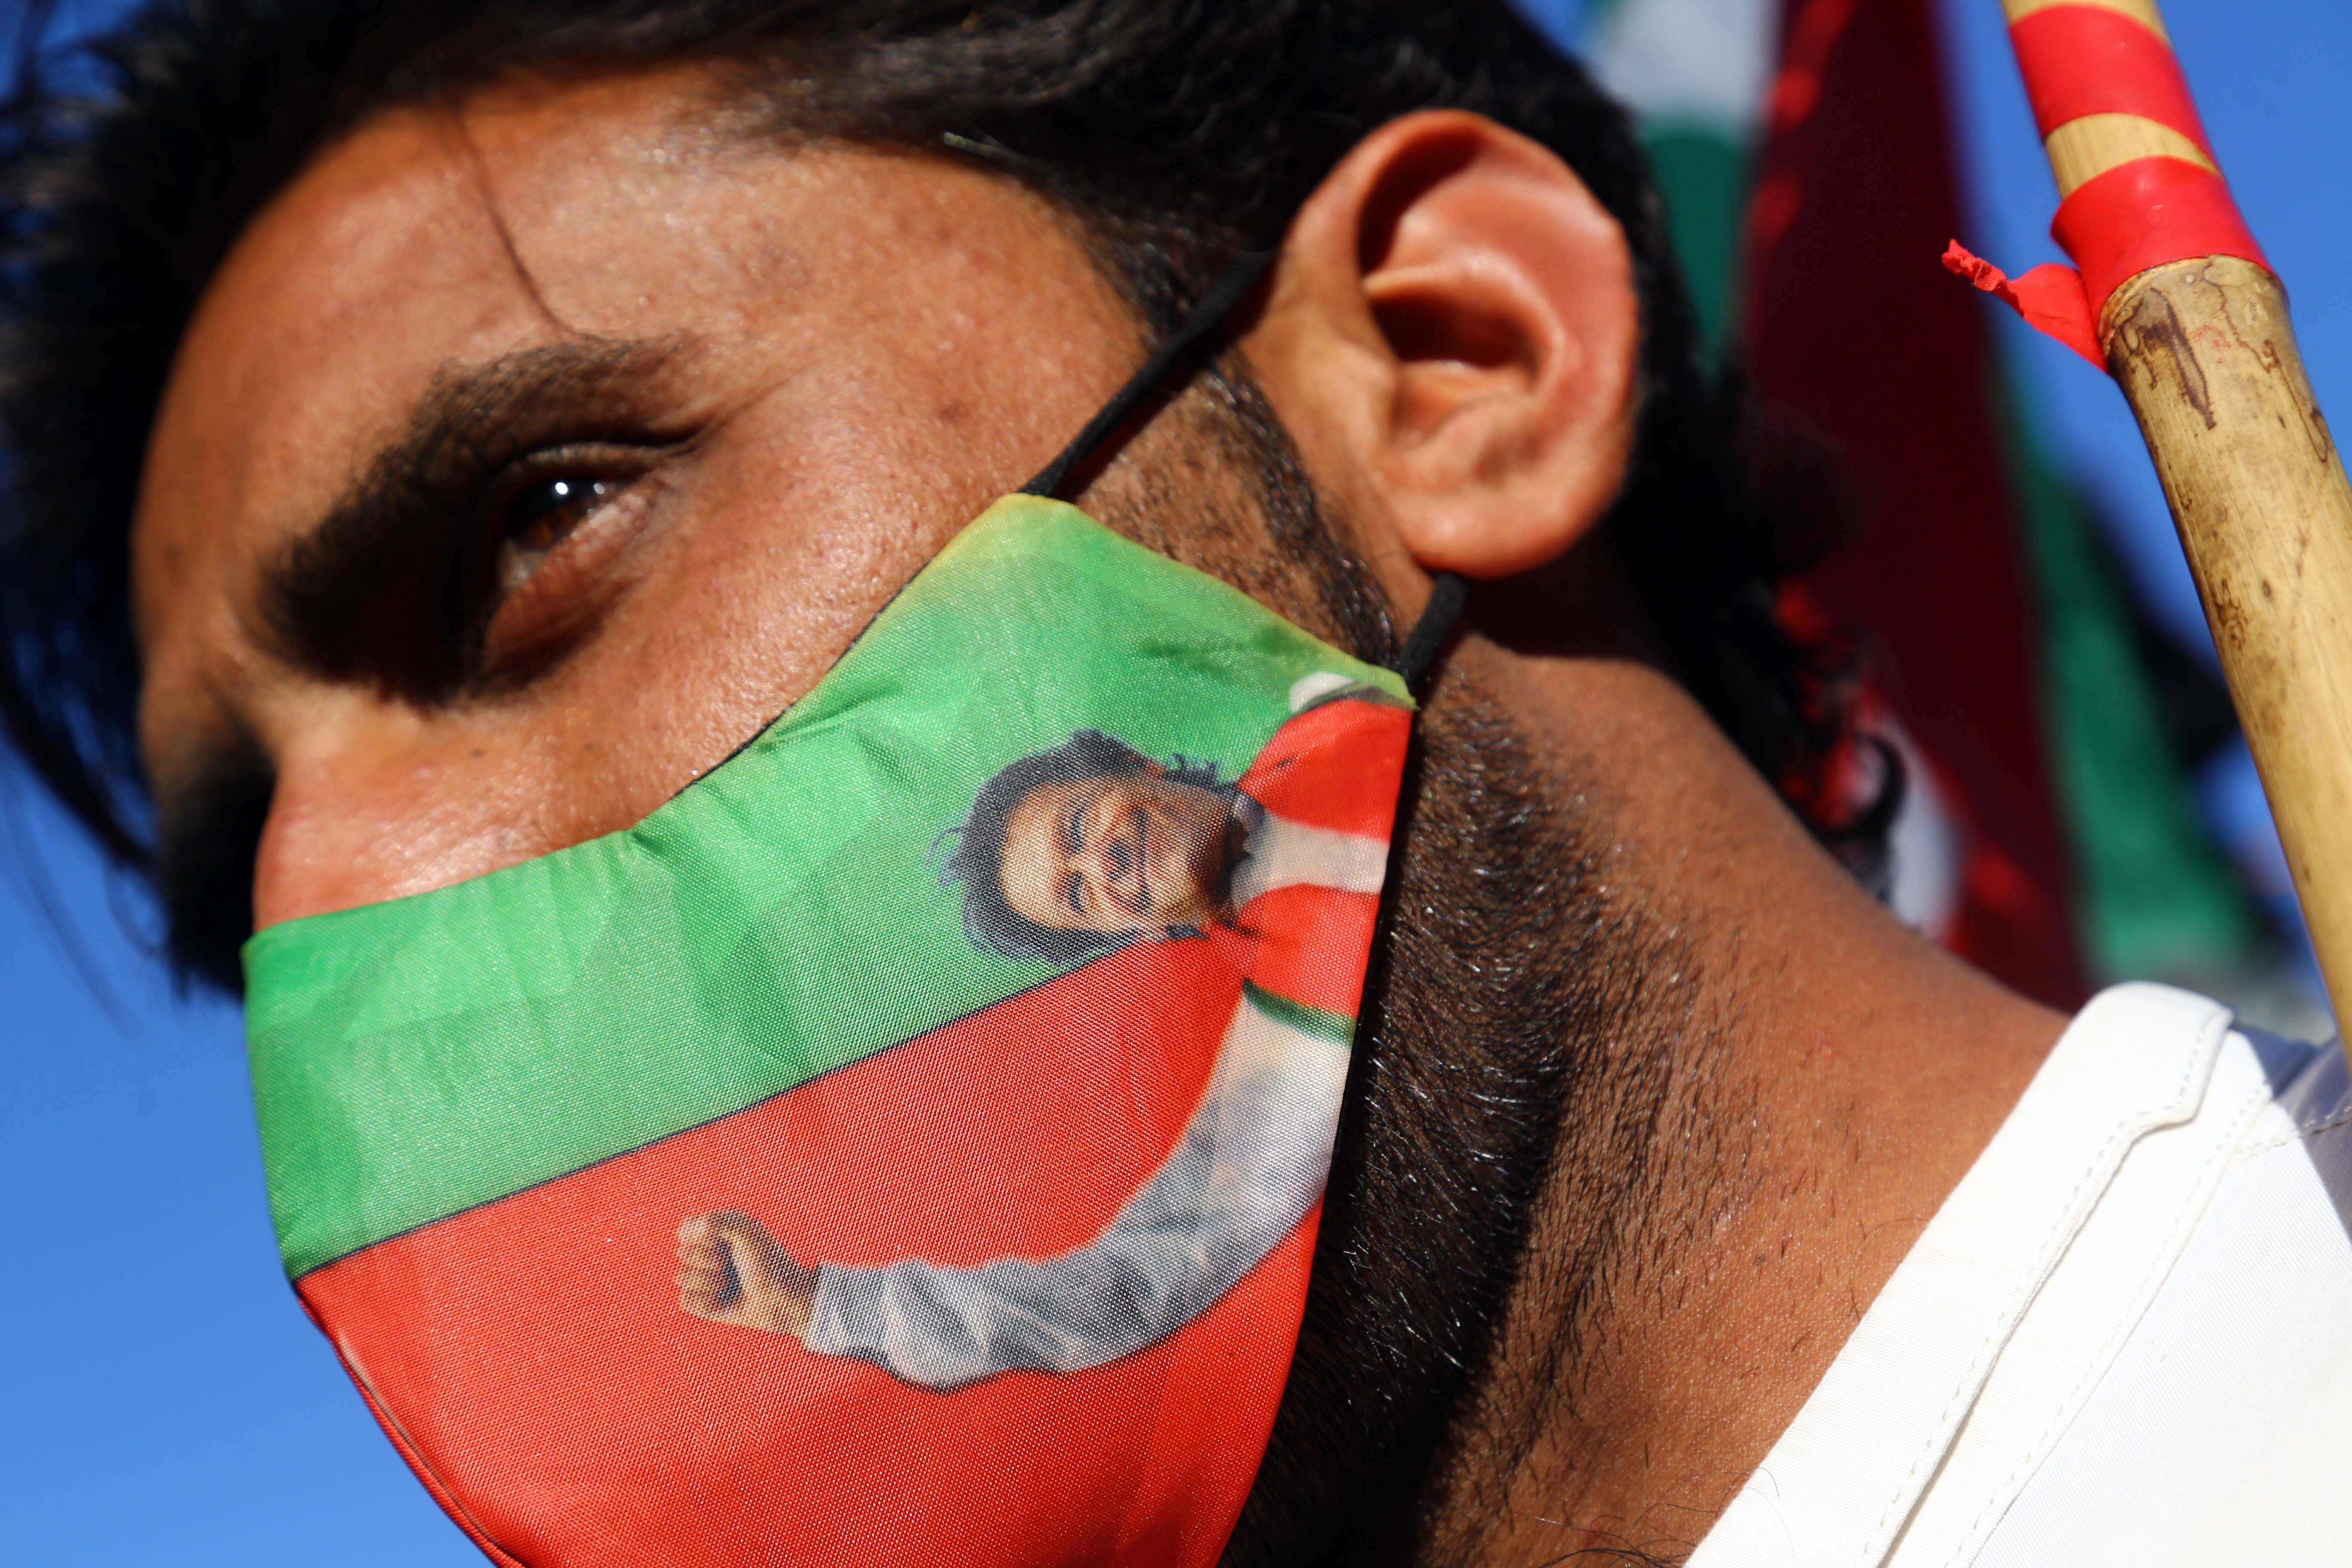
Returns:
point(1497, 1186)
point(1522, 1058)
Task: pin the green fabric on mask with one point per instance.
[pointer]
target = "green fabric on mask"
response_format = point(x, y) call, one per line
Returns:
point(1337, 1027)
point(781, 918)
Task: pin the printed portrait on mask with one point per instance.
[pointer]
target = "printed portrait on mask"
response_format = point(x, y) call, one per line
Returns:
point(1070, 853)
point(925, 1114)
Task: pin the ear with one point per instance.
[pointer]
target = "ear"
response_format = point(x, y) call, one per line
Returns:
point(1452, 338)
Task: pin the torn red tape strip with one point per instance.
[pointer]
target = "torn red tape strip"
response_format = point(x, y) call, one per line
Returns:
point(2050, 298)
point(2087, 59)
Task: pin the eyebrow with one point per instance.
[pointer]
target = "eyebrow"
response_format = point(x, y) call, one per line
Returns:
point(367, 593)
point(389, 586)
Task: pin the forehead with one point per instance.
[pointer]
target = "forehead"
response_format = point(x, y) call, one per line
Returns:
point(1043, 806)
point(383, 260)
point(627, 208)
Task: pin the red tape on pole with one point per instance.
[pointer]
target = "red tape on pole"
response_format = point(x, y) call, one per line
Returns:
point(2087, 59)
point(2078, 60)
point(2143, 214)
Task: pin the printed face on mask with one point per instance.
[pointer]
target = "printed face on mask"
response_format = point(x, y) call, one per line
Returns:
point(1119, 855)
point(975, 1167)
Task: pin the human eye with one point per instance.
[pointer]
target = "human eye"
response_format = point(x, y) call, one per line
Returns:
point(543, 517)
point(1073, 829)
point(551, 524)
point(1074, 894)
point(549, 498)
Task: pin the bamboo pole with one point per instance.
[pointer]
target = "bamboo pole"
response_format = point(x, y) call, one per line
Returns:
point(2203, 352)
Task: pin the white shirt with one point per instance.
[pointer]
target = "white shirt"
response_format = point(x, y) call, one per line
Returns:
point(2125, 1338)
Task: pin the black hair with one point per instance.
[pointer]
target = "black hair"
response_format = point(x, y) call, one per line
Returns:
point(978, 860)
point(1171, 132)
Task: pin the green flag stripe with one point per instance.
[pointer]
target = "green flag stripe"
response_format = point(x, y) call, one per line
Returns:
point(311, 1264)
point(781, 918)
point(1336, 1028)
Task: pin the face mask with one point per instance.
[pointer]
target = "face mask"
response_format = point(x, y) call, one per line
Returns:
point(905, 1145)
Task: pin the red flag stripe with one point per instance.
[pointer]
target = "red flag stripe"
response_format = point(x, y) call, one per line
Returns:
point(541, 1371)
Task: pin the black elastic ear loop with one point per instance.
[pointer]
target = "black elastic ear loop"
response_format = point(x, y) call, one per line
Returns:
point(1447, 594)
point(1207, 319)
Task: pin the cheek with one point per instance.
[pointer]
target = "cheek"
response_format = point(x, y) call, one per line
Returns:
point(793, 538)
point(367, 808)
point(334, 840)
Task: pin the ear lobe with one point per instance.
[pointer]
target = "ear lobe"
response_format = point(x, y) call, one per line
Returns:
point(1458, 333)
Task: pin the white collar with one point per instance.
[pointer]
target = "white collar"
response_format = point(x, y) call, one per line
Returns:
point(1281, 853)
point(1841, 1485)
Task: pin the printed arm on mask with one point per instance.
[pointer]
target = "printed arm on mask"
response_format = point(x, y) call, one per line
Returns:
point(1251, 1164)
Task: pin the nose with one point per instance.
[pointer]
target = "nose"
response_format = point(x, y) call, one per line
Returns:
point(1102, 864)
point(358, 818)
point(1110, 860)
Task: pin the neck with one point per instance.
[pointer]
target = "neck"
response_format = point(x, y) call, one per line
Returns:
point(1785, 1109)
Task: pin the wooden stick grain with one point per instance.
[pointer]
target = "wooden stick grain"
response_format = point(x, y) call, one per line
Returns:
point(2205, 355)
point(2082, 150)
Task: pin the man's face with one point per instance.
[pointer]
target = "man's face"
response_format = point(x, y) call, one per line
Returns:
point(1120, 855)
point(523, 462)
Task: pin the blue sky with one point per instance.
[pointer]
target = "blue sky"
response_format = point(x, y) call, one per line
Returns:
point(162, 1399)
